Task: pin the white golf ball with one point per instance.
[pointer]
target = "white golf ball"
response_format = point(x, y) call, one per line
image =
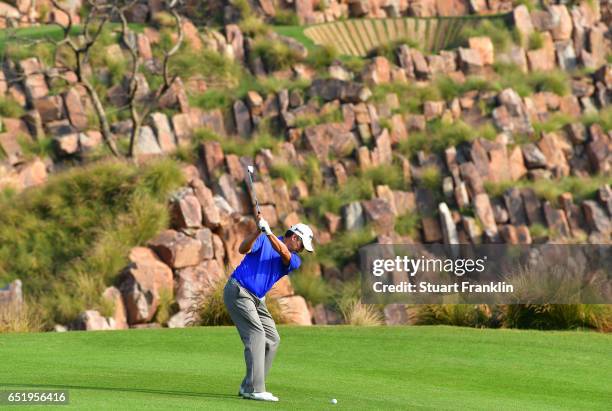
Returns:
point(334, 401)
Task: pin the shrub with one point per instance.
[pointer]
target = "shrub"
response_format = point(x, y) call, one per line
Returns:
point(603, 117)
point(313, 288)
point(450, 89)
point(164, 310)
point(535, 41)
point(500, 34)
point(276, 55)
point(556, 81)
point(19, 318)
point(332, 199)
point(333, 115)
point(411, 96)
point(253, 26)
point(344, 247)
point(462, 315)
point(368, 315)
point(70, 238)
point(440, 135)
point(511, 76)
point(217, 70)
point(385, 174)
point(238, 145)
point(408, 224)
point(322, 57)
point(208, 307)
point(10, 108)
point(558, 316)
point(312, 173)
point(554, 123)
point(31, 148)
point(285, 171)
point(286, 18)
point(431, 178)
point(353, 312)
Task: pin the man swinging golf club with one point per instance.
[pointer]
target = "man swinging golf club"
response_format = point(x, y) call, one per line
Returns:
point(267, 259)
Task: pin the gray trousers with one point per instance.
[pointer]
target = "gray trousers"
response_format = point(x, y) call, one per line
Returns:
point(257, 331)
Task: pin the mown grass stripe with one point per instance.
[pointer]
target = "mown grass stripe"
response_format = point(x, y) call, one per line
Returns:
point(431, 34)
point(390, 24)
point(335, 32)
point(380, 32)
point(400, 27)
point(411, 28)
point(356, 35)
point(348, 39)
point(371, 34)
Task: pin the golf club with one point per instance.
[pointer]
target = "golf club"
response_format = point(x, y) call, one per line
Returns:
point(251, 171)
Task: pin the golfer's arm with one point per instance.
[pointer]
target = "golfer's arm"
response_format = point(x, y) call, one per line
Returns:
point(247, 243)
point(281, 248)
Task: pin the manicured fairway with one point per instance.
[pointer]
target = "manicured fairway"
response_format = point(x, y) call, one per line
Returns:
point(364, 368)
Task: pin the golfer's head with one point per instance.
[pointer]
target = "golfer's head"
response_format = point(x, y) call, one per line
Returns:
point(298, 238)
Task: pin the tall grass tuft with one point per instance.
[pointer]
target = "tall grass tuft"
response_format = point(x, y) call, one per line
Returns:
point(70, 238)
point(353, 311)
point(559, 316)
point(462, 315)
point(19, 318)
point(344, 247)
point(208, 307)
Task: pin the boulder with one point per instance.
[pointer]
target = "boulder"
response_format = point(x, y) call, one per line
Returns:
point(75, 109)
point(379, 213)
point(177, 249)
point(49, 107)
point(213, 158)
point(552, 147)
point(195, 283)
point(484, 46)
point(141, 284)
point(186, 210)
point(596, 217)
point(295, 310)
point(556, 220)
point(532, 205)
point(563, 27)
point(533, 156)
point(514, 205)
point(484, 212)
point(146, 143)
point(449, 229)
point(470, 61)
point(210, 214)
point(92, 320)
point(242, 119)
point(165, 136)
point(113, 296)
point(353, 217)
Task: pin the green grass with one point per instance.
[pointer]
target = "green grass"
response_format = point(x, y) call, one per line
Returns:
point(536, 41)
point(51, 31)
point(296, 32)
point(10, 108)
point(365, 368)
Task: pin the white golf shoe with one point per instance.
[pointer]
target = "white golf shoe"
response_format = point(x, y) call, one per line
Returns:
point(260, 396)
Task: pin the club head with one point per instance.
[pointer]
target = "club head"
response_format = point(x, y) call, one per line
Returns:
point(251, 169)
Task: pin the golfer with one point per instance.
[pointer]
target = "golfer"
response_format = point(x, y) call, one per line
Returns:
point(268, 258)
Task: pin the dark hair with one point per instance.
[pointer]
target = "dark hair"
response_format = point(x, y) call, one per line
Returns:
point(289, 233)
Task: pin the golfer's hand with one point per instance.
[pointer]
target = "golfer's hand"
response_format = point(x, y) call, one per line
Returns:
point(264, 227)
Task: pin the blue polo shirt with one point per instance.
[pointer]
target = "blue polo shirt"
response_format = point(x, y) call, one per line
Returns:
point(263, 266)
